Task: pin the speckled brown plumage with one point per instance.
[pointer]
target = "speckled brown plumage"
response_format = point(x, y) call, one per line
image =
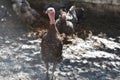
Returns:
point(51, 46)
point(63, 25)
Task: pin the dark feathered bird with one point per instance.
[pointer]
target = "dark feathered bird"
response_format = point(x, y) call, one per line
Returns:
point(24, 11)
point(63, 25)
point(51, 45)
point(80, 12)
point(71, 15)
point(75, 15)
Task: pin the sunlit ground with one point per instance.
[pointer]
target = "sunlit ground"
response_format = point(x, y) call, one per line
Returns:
point(95, 58)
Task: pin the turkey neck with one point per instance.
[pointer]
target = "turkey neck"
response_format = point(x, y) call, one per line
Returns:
point(52, 28)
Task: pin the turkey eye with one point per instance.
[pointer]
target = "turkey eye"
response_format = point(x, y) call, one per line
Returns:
point(50, 10)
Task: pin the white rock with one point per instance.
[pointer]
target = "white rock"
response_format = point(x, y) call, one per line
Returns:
point(69, 73)
point(63, 73)
point(72, 61)
point(7, 41)
point(2, 6)
point(56, 73)
point(85, 61)
point(69, 66)
point(103, 66)
point(28, 46)
point(96, 64)
point(113, 63)
point(118, 63)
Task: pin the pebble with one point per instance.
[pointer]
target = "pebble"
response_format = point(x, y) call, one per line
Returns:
point(96, 64)
point(66, 69)
point(63, 74)
point(112, 39)
point(28, 46)
point(118, 63)
point(113, 63)
point(7, 42)
point(2, 20)
point(69, 66)
point(72, 61)
point(28, 59)
point(69, 73)
point(85, 61)
point(56, 73)
point(103, 66)
point(78, 57)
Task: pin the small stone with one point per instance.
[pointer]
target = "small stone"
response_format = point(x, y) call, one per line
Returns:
point(63, 73)
point(69, 73)
point(14, 44)
point(118, 63)
point(96, 64)
point(56, 73)
point(72, 61)
point(2, 20)
point(2, 6)
point(77, 57)
point(85, 61)
point(28, 46)
point(103, 66)
point(69, 66)
point(28, 59)
point(113, 63)
point(66, 69)
point(7, 42)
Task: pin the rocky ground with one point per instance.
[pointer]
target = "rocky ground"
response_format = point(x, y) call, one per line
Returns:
point(96, 58)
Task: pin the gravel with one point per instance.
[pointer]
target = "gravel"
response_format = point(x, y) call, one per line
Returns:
point(20, 57)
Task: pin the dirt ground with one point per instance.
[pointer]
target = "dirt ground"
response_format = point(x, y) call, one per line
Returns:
point(95, 58)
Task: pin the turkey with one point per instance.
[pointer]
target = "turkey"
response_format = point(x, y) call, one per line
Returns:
point(51, 45)
point(71, 15)
point(63, 25)
point(24, 11)
point(80, 13)
point(75, 15)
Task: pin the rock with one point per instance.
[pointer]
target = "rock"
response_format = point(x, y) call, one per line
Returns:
point(96, 64)
point(85, 61)
point(7, 42)
point(113, 64)
point(56, 73)
point(69, 73)
point(63, 74)
point(117, 63)
point(28, 46)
